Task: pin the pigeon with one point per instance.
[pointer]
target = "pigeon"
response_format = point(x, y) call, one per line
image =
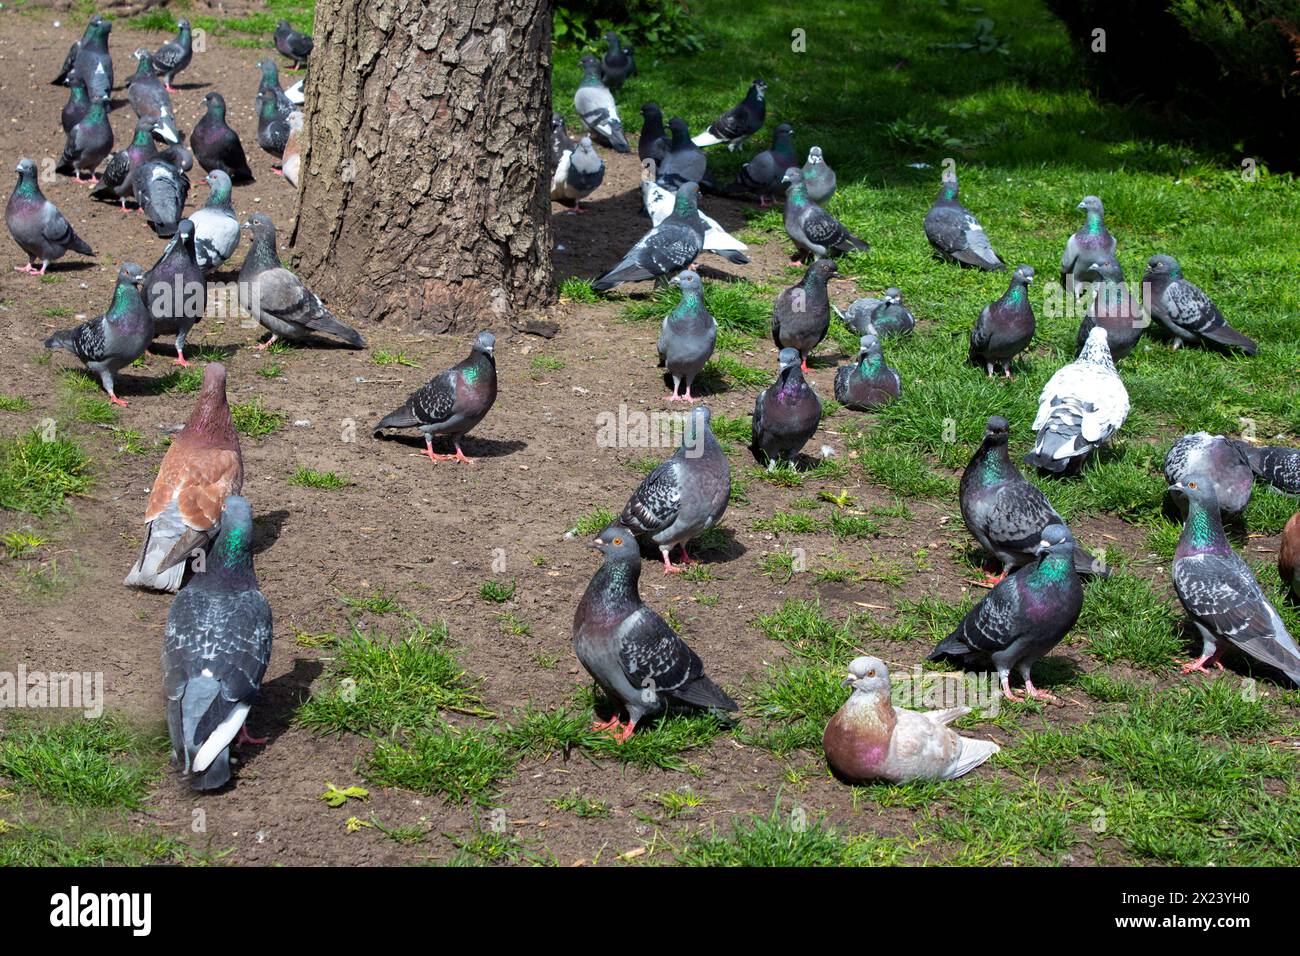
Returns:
point(1082, 405)
point(764, 174)
point(278, 299)
point(216, 230)
point(1086, 248)
point(818, 177)
point(577, 175)
point(617, 65)
point(295, 94)
point(1217, 460)
point(870, 740)
point(595, 106)
point(174, 290)
point(452, 402)
point(1005, 327)
point(1219, 591)
point(659, 201)
point(215, 651)
point(161, 190)
point(1288, 557)
point(1276, 464)
point(294, 45)
point(667, 248)
point(116, 182)
point(880, 317)
point(36, 224)
point(687, 337)
point(1004, 512)
point(149, 98)
point(653, 141)
point(786, 414)
point(272, 127)
point(740, 122)
point(868, 383)
point(1114, 309)
point(269, 86)
point(178, 156)
point(117, 338)
point(92, 62)
point(801, 314)
point(561, 142)
point(816, 233)
point(70, 61)
point(685, 162)
point(956, 234)
point(87, 143)
point(203, 466)
point(78, 105)
point(1187, 312)
point(1022, 618)
point(216, 145)
point(291, 162)
point(685, 495)
point(174, 55)
point(630, 651)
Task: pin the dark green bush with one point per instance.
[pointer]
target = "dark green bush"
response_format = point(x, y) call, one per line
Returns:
point(665, 26)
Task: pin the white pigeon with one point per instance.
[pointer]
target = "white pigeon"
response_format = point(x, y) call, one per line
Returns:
point(658, 203)
point(1080, 408)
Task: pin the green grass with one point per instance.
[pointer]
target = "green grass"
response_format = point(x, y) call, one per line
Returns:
point(36, 475)
point(386, 357)
point(462, 765)
point(14, 403)
point(593, 523)
point(97, 763)
point(788, 837)
point(253, 419)
point(580, 805)
point(497, 592)
point(87, 841)
point(327, 480)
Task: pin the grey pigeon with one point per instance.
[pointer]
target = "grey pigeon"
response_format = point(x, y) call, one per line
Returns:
point(161, 190)
point(630, 651)
point(685, 162)
point(269, 86)
point(174, 55)
point(1086, 248)
point(1022, 618)
point(1004, 512)
point(88, 143)
point(1114, 309)
point(78, 105)
point(1005, 327)
point(216, 145)
point(36, 224)
point(1277, 465)
point(883, 317)
point(595, 106)
point(70, 61)
point(293, 44)
point(870, 739)
point(818, 177)
point(174, 290)
point(178, 156)
point(740, 122)
point(1082, 405)
point(868, 383)
point(764, 175)
point(816, 233)
point(149, 97)
point(653, 141)
point(685, 495)
point(278, 299)
point(216, 230)
point(116, 183)
point(272, 127)
point(667, 248)
point(786, 414)
point(561, 142)
point(617, 64)
point(1187, 312)
point(1219, 591)
point(687, 336)
point(92, 61)
point(452, 402)
point(1215, 459)
point(114, 340)
point(215, 651)
point(956, 234)
point(801, 314)
point(659, 201)
point(579, 173)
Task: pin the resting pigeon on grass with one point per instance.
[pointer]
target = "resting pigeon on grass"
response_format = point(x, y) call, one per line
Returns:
point(1079, 409)
point(216, 230)
point(70, 61)
point(215, 651)
point(685, 495)
point(801, 315)
point(87, 143)
point(149, 97)
point(881, 317)
point(667, 248)
point(764, 175)
point(577, 175)
point(869, 739)
point(78, 105)
point(216, 145)
point(1187, 312)
point(659, 201)
point(1288, 557)
point(594, 103)
point(92, 61)
point(687, 336)
point(36, 224)
point(203, 465)
point(293, 44)
point(452, 402)
point(868, 383)
point(1005, 327)
point(1215, 459)
point(116, 184)
point(1219, 591)
point(815, 232)
point(269, 85)
point(112, 341)
point(617, 65)
point(174, 55)
point(642, 666)
point(1022, 618)
point(652, 144)
point(956, 234)
point(786, 414)
point(818, 177)
point(684, 162)
point(1087, 248)
point(740, 122)
point(161, 190)
point(1114, 309)
point(278, 299)
point(1278, 465)
point(174, 290)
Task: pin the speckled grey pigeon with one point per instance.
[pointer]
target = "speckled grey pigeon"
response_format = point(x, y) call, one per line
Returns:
point(110, 342)
point(149, 98)
point(617, 64)
point(1022, 618)
point(1114, 309)
point(1277, 465)
point(659, 201)
point(653, 141)
point(818, 177)
point(740, 122)
point(87, 143)
point(92, 61)
point(684, 162)
point(578, 174)
point(1004, 512)
point(594, 104)
point(161, 190)
point(452, 402)
point(883, 317)
point(868, 383)
point(667, 248)
point(1087, 247)
point(174, 290)
point(1005, 327)
point(174, 55)
point(216, 230)
point(1215, 459)
point(1220, 593)
point(293, 44)
point(116, 184)
point(816, 233)
point(764, 175)
point(216, 145)
point(215, 651)
point(685, 495)
point(1082, 405)
point(956, 234)
point(801, 314)
point(629, 650)
point(1187, 312)
point(36, 224)
point(786, 414)
point(78, 105)
point(70, 61)
point(278, 299)
point(272, 127)
point(687, 336)
point(269, 85)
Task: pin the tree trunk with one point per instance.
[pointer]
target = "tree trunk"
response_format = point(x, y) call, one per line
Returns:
point(425, 197)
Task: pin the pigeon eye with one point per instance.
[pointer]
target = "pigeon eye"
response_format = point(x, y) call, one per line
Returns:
point(871, 673)
point(1191, 484)
point(618, 541)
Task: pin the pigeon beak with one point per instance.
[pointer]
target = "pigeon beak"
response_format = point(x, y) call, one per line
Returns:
point(1081, 206)
point(1176, 486)
point(1042, 548)
point(596, 545)
point(848, 681)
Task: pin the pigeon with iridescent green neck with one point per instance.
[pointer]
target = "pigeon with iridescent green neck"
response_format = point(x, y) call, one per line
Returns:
point(658, 203)
point(816, 233)
point(883, 317)
point(216, 145)
point(1005, 327)
point(88, 143)
point(78, 105)
point(116, 183)
point(594, 104)
point(114, 340)
point(174, 55)
point(868, 383)
point(70, 61)
point(36, 224)
point(216, 230)
point(1218, 460)
point(1187, 312)
point(956, 234)
point(1114, 309)
point(801, 315)
point(1090, 245)
point(93, 62)
point(150, 98)
point(269, 85)
point(174, 290)
point(818, 177)
point(667, 248)
point(740, 122)
point(687, 337)
point(786, 414)
point(764, 174)
point(272, 127)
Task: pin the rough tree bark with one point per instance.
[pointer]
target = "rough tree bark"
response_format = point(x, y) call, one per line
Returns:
point(424, 197)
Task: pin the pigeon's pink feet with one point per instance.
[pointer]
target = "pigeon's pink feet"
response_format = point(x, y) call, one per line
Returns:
point(1007, 692)
point(1198, 665)
point(670, 568)
point(432, 455)
point(182, 361)
point(170, 89)
point(246, 738)
point(607, 724)
point(461, 456)
point(803, 366)
point(1037, 694)
point(764, 202)
point(263, 346)
point(29, 269)
point(622, 735)
point(278, 172)
point(113, 399)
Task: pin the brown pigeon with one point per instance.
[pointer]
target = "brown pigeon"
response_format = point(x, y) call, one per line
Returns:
point(1288, 556)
